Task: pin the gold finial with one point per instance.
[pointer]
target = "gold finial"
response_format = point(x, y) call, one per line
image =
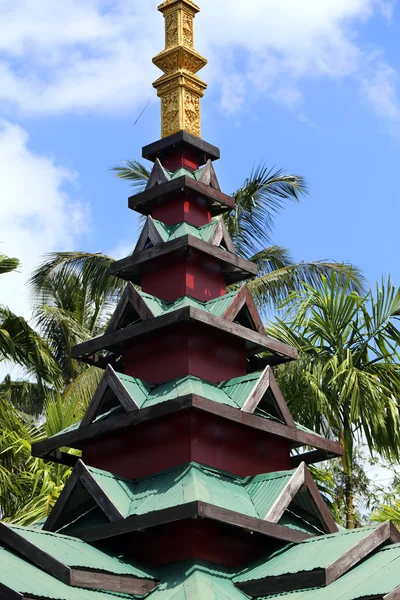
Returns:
point(179, 88)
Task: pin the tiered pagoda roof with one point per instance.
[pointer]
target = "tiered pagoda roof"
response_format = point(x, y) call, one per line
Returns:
point(192, 480)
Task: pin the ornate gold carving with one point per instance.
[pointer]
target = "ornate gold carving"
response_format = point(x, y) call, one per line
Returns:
point(170, 113)
point(192, 112)
point(187, 27)
point(171, 30)
point(179, 88)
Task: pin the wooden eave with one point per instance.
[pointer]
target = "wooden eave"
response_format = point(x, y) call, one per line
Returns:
point(385, 534)
point(73, 576)
point(186, 186)
point(236, 269)
point(326, 449)
point(255, 342)
point(192, 510)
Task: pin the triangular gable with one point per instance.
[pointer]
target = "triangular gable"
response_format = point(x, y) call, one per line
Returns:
point(158, 175)
point(149, 237)
point(74, 562)
point(302, 496)
point(209, 177)
point(267, 396)
point(319, 562)
point(221, 237)
point(131, 308)
point(81, 495)
point(244, 312)
point(110, 393)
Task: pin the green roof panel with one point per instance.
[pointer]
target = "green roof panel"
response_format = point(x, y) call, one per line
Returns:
point(76, 553)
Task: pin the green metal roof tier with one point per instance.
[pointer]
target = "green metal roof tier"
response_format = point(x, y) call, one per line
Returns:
point(201, 581)
point(76, 553)
point(315, 553)
point(172, 232)
point(374, 577)
point(24, 578)
point(233, 393)
point(216, 307)
point(251, 496)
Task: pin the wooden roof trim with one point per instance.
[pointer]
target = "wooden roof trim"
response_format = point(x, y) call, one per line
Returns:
point(191, 510)
point(130, 297)
point(242, 299)
point(296, 436)
point(231, 262)
point(221, 234)
point(6, 593)
point(75, 577)
point(149, 232)
point(145, 201)
point(110, 380)
point(209, 177)
point(81, 474)
point(157, 176)
point(287, 495)
point(267, 382)
point(327, 520)
point(110, 341)
point(324, 577)
point(394, 595)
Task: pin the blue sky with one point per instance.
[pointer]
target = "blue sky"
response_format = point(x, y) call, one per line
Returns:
point(311, 86)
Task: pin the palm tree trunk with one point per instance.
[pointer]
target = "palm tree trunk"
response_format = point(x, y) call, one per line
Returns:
point(348, 474)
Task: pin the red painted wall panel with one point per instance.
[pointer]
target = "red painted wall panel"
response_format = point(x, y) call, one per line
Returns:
point(183, 437)
point(187, 160)
point(188, 209)
point(186, 349)
point(170, 278)
point(195, 539)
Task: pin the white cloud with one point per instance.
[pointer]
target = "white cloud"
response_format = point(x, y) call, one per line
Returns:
point(37, 215)
point(95, 55)
point(382, 91)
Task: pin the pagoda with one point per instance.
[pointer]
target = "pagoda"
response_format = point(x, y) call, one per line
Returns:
point(192, 481)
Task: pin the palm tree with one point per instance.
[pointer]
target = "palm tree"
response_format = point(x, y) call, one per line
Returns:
point(347, 380)
point(262, 195)
point(22, 345)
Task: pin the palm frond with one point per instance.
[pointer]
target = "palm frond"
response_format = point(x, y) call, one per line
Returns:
point(8, 264)
point(258, 201)
point(134, 172)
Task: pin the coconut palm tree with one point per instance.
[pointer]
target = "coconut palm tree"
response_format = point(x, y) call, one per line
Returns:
point(347, 380)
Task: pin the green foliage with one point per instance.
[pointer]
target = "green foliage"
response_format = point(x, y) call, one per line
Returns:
point(348, 376)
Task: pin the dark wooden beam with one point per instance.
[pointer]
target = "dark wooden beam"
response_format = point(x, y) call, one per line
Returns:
point(74, 439)
point(38, 557)
point(7, 593)
point(82, 475)
point(191, 510)
point(242, 299)
point(109, 582)
point(217, 201)
point(311, 458)
point(62, 458)
point(179, 142)
point(284, 583)
point(327, 520)
point(323, 577)
point(235, 268)
point(287, 495)
point(255, 342)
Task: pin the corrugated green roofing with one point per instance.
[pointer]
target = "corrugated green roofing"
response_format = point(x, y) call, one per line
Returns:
point(76, 553)
point(216, 307)
point(315, 553)
point(24, 578)
point(188, 385)
point(251, 496)
point(376, 576)
point(200, 581)
point(172, 232)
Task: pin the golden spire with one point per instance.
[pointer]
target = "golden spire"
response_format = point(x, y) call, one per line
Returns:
point(179, 88)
